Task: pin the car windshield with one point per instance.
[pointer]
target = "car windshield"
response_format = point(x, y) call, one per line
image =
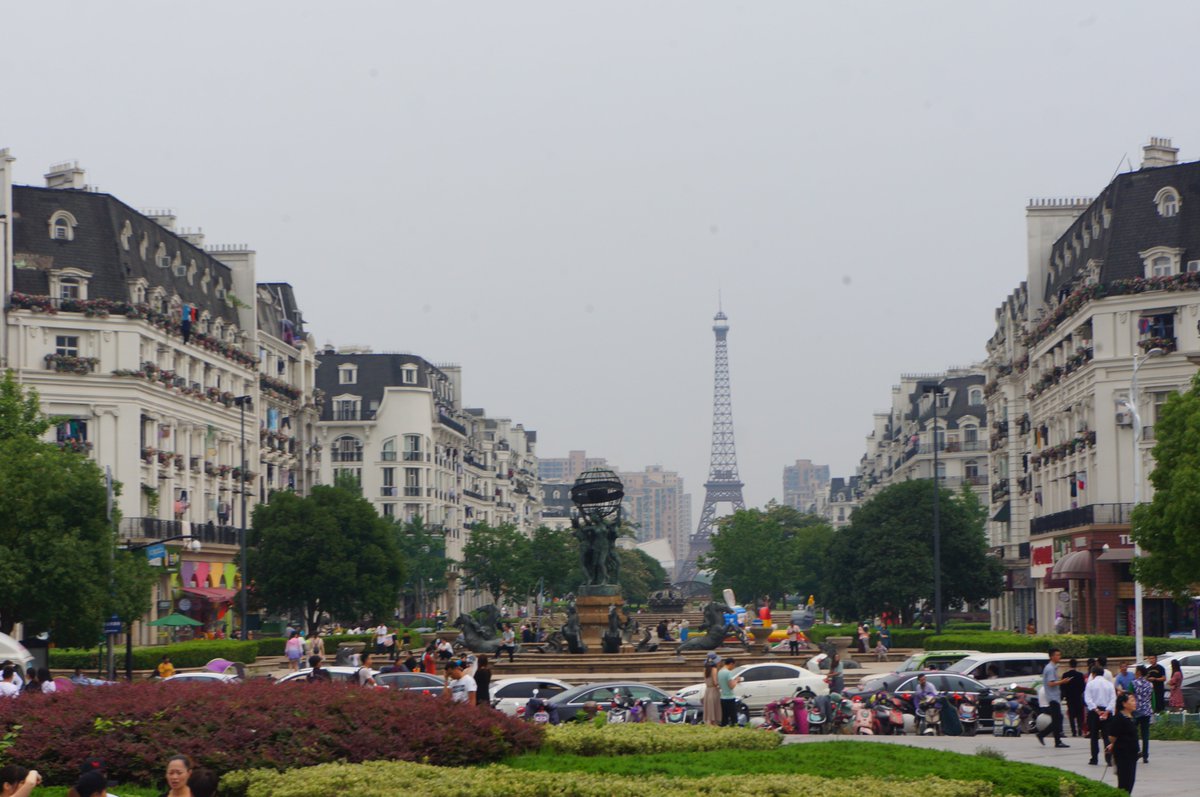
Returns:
point(963, 665)
point(910, 663)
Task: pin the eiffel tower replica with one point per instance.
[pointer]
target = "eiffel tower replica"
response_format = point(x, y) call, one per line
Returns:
point(723, 485)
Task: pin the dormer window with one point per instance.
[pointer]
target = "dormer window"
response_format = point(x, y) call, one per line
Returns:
point(161, 258)
point(62, 226)
point(1193, 266)
point(347, 375)
point(1161, 261)
point(69, 288)
point(1168, 202)
point(126, 234)
point(143, 246)
point(137, 291)
point(408, 375)
point(69, 284)
point(975, 397)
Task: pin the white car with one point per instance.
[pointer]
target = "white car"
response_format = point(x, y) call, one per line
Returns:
point(764, 683)
point(338, 674)
point(203, 676)
point(1189, 661)
point(512, 693)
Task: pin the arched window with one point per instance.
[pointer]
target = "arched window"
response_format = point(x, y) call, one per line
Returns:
point(1168, 202)
point(1162, 266)
point(62, 226)
point(971, 470)
point(347, 448)
point(976, 396)
point(412, 448)
point(388, 454)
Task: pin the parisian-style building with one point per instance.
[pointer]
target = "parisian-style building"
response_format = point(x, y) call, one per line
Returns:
point(806, 486)
point(1112, 282)
point(154, 352)
point(396, 425)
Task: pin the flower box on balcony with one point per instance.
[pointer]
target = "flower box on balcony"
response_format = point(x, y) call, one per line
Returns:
point(70, 364)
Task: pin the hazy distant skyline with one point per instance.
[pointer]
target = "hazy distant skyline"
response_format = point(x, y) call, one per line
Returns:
point(551, 194)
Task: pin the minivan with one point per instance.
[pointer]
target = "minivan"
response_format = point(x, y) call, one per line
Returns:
point(934, 659)
point(1000, 670)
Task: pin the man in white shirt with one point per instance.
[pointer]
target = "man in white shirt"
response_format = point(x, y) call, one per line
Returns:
point(381, 632)
point(1100, 697)
point(1106, 673)
point(460, 687)
point(7, 687)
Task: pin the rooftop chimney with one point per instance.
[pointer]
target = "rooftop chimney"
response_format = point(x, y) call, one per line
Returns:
point(1159, 152)
point(163, 217)
point(194, 237)
point(65, 175)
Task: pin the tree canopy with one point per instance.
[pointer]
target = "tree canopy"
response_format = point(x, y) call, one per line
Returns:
point(326, 552)
point(59, 568)
point(1168, 528)
point(883, 562)
point(496, 558)
point(641, 574)
point(769, 552)
point(425, 563)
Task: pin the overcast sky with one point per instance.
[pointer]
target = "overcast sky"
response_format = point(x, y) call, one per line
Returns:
point(552, 193)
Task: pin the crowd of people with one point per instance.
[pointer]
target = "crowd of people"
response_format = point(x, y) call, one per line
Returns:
point(183, 778)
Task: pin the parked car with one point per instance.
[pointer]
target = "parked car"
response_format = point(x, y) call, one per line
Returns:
point(933, 660)
point(764, 683)
point(1000, 670)
point(1189, 661)
point(510, 694)
point(203, 676)
point(1191, 692)
point(571, 701)
point(903, 684)
point(412, 682)
point(338, 673)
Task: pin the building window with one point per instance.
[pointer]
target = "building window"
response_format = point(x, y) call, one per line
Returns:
point(62, 226)
point(412, 482)
point(66, 345)
point(1162, 266)
point(1168, 202)
point(971, 470)
point(412, 448)
point(347, 448)
point(1157, 330)
point(939, 438)
point(970, 435)
point(69, 288)
point(72, 431)
point(941, 470)
point(388, 490)
point(408, 376)
point(389, 510)
point(345, 410)
point(388, 454)
point(976, 396)
point(943, 399)
point(352, 474)
point(1193, 266)
point(347, 375)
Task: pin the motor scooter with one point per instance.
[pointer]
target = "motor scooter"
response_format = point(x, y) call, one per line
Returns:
point(968, 713)
point(677, 711)
point(930, 717)
point(864, 718)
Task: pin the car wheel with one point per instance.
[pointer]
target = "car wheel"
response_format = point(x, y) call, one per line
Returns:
point(805, 693)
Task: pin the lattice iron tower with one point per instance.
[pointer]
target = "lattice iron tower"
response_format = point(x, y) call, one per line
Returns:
point(723, 485)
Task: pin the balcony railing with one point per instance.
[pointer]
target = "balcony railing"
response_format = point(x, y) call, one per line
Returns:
point(149, 528)
point(388, 491)
point(412, 492)
point(1090, 515)
point(450, 423)
point(414, 456)
point(346, 456)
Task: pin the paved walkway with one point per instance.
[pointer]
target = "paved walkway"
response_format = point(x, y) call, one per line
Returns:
point(1174, 769)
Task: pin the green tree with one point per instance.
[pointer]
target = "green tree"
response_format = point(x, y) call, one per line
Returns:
point(1168, 528)
point(884, 560)
point(56, 542)
point(554, 559)
point(426, 564)
point(326, 552)
point(770, 552)
point(641, 574)
point(496, 557)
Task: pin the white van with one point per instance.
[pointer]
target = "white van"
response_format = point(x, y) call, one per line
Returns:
point(1000, 670)
point(11, 649)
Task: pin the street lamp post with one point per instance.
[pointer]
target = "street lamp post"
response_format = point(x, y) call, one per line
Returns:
point(242, 401)
point(936, 391)
point(1139, 630)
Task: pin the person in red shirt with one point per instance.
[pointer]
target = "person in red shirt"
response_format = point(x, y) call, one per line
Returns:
point(429, 660)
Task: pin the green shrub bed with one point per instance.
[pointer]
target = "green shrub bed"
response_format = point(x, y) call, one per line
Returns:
point(1078, 646)
point(839, 760)
point(1176, 728)
point(383, 779)
point(636, 739)
point(196, 653)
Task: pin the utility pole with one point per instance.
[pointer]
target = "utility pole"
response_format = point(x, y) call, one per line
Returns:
point(937, 530)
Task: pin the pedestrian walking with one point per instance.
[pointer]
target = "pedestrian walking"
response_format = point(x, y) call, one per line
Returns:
point(460, 687)
point(1100, 697)
point(1157, 676)
point(864, 636)
point(316, 645)
point(837, 674)
point(727, 682)
point(1072, 692)
point(1143, 690)
point(179, 769)
point(483, 682)
point(793, 635)
point(1175, 684)
point(885, 636)
point(711, 702)
point(381, 632)
point(293, 649)
point(1052, 685)
point(17, 781)
point(1123, 748)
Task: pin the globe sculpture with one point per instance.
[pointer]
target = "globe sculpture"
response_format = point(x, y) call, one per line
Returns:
point(596, 523)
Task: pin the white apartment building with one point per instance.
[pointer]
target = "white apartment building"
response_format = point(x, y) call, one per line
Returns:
point(805, 486)
point(395, 423)
point(1109, 280)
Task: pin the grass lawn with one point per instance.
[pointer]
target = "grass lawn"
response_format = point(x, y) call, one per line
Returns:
point(831, 760)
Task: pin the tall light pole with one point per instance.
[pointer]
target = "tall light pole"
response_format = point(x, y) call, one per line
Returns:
point(936, 391)
point(1139, 631)
point(242, 401)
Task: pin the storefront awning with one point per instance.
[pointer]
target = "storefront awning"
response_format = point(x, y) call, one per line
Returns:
point(1116, 555)
point(1004, 514)
point(1077, 564)
point(214, 594)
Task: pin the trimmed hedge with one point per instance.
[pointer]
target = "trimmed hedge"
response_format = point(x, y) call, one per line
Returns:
point(137, 727)
point(1077, 646)
point(196, 653)
point(637, 739)
point(384, 779)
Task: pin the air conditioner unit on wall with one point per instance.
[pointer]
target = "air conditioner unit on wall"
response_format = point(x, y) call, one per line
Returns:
point(1124, 418)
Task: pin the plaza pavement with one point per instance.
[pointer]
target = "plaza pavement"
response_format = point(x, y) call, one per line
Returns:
point(1174, 769)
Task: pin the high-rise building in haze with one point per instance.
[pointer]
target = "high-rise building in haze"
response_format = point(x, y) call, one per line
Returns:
point(805, 485)
point(656, 502)
point(568, 468)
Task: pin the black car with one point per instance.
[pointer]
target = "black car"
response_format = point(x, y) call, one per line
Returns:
point(571, 701)
point(904, 684)
point(1191, 693)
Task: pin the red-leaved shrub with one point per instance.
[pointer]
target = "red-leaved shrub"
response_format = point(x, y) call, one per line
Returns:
point(136, 727)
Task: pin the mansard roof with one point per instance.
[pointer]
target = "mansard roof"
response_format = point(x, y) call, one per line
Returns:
point(376, 373)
